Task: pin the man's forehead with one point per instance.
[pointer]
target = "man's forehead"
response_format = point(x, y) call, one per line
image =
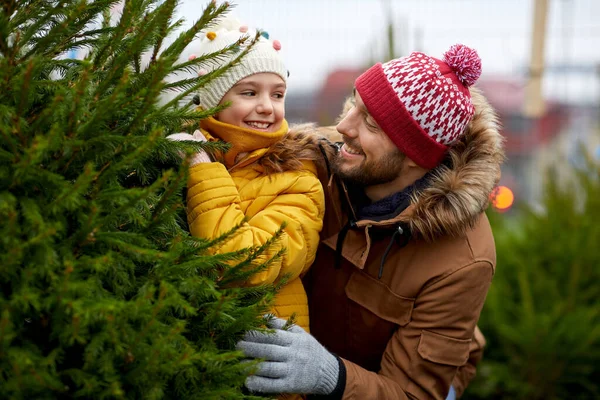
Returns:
point(358, 103)
point(357, 99)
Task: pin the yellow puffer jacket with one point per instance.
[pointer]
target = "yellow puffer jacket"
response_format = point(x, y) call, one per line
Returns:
point(219, 199)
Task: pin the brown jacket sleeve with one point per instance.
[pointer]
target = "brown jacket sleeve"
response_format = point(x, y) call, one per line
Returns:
point(423, 357)
point(466, 373)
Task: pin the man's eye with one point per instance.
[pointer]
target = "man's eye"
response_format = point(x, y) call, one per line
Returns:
point(371, 124)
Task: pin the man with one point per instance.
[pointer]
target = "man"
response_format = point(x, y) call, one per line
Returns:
point(407, 254)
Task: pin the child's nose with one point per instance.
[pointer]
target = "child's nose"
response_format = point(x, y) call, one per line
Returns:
point(265, 105)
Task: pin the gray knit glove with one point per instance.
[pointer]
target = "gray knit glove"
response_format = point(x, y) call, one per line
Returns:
point(294, 361)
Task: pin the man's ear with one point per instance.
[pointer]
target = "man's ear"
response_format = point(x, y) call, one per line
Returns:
point(410, 165)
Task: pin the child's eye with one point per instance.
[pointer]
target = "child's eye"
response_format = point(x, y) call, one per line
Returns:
point(248, 93)
point(278, 95)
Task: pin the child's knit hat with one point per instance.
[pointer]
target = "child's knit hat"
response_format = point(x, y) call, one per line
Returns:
point(263, 57)
point(423, 104)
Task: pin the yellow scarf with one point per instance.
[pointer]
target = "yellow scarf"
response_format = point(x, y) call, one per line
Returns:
point(254, 143)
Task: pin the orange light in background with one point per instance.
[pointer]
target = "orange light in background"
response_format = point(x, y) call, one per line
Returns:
point(502, 198)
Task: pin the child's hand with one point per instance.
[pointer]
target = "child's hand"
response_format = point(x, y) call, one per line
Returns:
point(201, 156)
point(199, 136)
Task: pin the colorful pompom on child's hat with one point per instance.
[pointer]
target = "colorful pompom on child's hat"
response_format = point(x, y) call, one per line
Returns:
point(422, 104)
point(263, 57)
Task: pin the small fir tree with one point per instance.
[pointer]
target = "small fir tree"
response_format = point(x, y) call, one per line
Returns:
point(542, 314)
point(104, 293)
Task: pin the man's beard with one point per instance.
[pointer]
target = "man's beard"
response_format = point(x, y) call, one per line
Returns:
point(370, 172)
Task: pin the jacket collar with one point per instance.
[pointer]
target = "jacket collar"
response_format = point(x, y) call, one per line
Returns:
point(392, 205)
point(252, 142)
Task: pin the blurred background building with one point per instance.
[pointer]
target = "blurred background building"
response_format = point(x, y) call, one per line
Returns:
point(328, 43)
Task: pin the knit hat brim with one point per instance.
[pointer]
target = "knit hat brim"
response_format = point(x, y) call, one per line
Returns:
point(213, 93)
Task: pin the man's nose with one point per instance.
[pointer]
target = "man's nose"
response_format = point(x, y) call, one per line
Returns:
point(347, 126)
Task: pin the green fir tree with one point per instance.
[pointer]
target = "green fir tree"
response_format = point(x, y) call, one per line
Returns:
point(104, 294)
point(541, 318)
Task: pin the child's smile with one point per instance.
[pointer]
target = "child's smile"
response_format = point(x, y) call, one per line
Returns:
point(258, 125)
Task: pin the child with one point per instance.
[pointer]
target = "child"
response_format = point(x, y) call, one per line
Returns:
point(267, 177)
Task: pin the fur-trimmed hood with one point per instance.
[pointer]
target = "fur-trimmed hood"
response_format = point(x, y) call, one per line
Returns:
point(301, 143)
point(460, 188)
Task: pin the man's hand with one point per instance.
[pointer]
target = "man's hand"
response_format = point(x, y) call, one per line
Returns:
point(200, 157)
point(294, 361)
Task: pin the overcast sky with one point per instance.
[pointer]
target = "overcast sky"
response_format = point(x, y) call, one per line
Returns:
point(319, 36)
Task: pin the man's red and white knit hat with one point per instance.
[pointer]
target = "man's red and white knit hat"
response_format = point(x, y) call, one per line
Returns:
point(423, 104)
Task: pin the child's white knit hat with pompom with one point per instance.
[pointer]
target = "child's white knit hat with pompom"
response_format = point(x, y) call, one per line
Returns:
point(263, 57)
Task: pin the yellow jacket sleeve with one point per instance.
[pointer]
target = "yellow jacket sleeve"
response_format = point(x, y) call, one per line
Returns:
point(261, 205)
